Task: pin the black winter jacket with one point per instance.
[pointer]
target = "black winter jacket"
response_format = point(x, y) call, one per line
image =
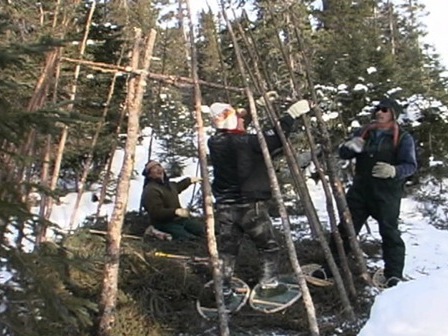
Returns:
point(240, 174)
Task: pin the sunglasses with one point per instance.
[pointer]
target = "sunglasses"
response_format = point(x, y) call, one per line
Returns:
point(382, 109)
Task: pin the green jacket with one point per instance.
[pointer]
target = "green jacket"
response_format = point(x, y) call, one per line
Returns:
point(161, 200)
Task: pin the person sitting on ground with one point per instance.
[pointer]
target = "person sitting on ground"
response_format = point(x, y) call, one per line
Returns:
point(241, 186)
point(385, 157)
point(160, 199)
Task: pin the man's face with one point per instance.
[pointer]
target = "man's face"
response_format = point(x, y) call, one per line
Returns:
point(384, 115)
point(157, 173)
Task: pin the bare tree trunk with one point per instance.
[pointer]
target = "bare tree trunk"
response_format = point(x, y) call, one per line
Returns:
point(40, 230)
point(21, 172)
point(221, 62)
point(74, 90)
point(56, 169)
point(337, 187)
point(110, 279)
point(47, 206)
point(108, 165)
point(181, 21)
point(328, 195)
point(54, 177)
point(307, 299)
point(393, 46)
point(207, 190)
point(331, 213)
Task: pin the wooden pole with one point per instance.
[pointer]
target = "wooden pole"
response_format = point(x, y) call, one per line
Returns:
point(327, 189)
point(206, 188)
point(137, 88)
point(307, 299)
point(335, 182)
point(178, 81)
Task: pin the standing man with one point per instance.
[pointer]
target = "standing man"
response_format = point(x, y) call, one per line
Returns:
point(240, 186)
point(385, 157)
point(160, 199)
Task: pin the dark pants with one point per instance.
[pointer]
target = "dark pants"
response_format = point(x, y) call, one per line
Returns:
point(384, 207)
point(252, 219)
point(183, 229)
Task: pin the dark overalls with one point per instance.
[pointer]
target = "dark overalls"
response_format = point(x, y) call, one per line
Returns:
point(379, 198)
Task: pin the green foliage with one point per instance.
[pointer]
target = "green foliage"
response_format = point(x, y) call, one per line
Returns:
point(40, 300)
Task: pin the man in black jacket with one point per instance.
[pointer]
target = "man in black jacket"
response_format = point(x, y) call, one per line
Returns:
point(241, 185)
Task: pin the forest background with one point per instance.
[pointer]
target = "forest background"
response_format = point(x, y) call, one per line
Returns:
point(66, 74)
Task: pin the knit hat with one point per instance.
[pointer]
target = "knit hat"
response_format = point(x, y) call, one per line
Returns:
point(223, 116)
point(148, 166)
point(392, 105)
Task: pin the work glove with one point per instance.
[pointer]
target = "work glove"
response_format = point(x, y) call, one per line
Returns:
point(195, 179)
point(383, 170)
point(272, 96)
point(181, 212)
point(355, 144)
point(299, 108)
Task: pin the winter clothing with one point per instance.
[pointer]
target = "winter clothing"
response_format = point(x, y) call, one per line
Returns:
point(146, 170)
point(380, 172)
point(241, 185)
point(355, 144)
point(298, 109)
point(383, 170)
point(240, 174)
point(161, 201)
point(390, 104)
point(223, 116)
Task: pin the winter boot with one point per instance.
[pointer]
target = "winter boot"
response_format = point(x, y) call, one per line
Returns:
point(392, 282)
point(228, 265)
point(269, 283)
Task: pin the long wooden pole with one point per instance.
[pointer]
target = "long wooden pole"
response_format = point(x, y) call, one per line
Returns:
point(206, 188)
point(307, 299)
point(110, 280)
point(299, 179)
point(178, 81)
point(326, 187)
point(335, 182)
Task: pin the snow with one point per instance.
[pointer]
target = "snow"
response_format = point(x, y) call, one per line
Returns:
point(418, 307)
point(414, 308)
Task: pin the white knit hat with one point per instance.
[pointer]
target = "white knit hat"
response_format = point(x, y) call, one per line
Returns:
point(223, 116)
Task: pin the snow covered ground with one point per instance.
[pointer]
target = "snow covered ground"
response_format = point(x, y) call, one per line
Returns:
point(414, 308)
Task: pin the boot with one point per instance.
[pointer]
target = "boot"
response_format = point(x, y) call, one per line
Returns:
point(270, 285)
point(228, 265)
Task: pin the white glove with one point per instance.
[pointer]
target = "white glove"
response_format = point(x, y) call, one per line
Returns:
point(356, 144)
point(195, 179)
point(181, 212)
point(272, 96)
point(299, 108)
point(384, 170)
